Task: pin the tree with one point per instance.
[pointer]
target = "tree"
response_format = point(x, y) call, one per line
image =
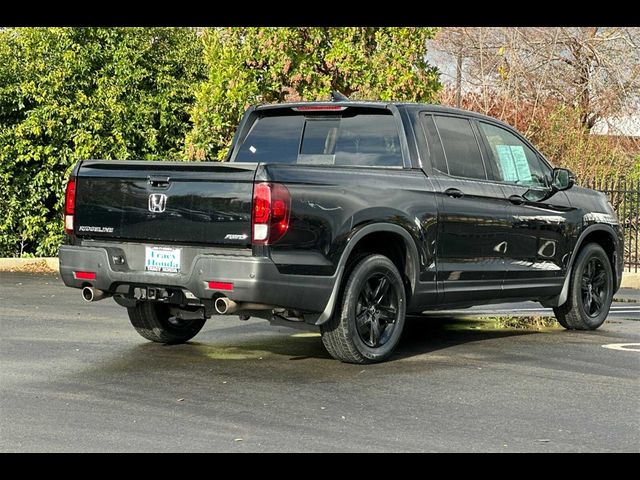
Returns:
point(262, 65)
point(595, 70)
point(76, 93)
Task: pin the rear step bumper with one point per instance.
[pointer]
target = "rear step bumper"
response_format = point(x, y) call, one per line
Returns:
point(255, 279)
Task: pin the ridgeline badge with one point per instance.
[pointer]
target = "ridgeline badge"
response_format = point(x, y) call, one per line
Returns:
point(91, 228)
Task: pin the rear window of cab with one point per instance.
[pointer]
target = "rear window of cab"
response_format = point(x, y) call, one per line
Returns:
point(347, 138)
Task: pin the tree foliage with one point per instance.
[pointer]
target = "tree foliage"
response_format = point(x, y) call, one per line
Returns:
point(593, 70)
point(76, 93)
point(262, 65)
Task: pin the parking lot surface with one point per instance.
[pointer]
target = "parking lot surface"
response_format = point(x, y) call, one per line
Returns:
point(77, 377)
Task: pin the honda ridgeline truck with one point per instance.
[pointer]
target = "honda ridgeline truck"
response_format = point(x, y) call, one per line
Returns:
point(346, 215)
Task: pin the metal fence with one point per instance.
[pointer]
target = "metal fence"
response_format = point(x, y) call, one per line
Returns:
point(624, 195)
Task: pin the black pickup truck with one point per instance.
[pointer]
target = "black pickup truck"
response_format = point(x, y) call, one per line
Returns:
point(347, 215)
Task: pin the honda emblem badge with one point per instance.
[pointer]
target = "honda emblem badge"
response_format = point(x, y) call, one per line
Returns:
point(157, 202)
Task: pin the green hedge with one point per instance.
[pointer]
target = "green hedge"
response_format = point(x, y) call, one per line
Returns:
point(76, 93)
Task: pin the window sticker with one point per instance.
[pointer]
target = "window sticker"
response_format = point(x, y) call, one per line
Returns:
point(514, 164)
point(509, 172)
point(521, 163)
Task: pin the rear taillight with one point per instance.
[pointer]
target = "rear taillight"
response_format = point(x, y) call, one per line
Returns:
point(70, 206)
point(270, 213)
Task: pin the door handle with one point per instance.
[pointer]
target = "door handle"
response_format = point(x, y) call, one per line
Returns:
point(454, 193)
point(516, 199)
point(158, 182)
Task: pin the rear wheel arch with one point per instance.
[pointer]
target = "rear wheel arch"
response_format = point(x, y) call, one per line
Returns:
point(390, 240)
point(380, 238)
point(369, 318)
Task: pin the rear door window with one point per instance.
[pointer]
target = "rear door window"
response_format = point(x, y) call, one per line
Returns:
point(367, 139)
point(461, 149)
point(438, 162)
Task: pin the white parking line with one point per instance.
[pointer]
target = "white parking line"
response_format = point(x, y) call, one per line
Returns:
point(626, 347)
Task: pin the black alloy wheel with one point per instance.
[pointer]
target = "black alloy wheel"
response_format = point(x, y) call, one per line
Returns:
point(376, 311)
point(368, 320)
point(594, 287)
point(590, 293)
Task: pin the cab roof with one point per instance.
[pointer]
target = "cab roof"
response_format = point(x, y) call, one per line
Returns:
point(378, 104)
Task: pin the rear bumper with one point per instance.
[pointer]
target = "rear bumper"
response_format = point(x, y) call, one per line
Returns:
point(255, 279)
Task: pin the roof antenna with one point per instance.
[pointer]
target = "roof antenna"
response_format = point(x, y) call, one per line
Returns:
point(336, 96)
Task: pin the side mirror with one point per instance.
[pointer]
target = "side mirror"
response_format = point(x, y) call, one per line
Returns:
point(563, 179)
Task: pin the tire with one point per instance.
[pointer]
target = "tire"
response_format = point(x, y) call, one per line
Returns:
point(590, 291)
point(153, 321)
point(365, 329)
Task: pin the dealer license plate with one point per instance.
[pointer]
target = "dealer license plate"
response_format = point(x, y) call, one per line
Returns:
point(161, 259)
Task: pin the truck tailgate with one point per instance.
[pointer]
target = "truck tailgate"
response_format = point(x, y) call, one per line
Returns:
point(191, 203)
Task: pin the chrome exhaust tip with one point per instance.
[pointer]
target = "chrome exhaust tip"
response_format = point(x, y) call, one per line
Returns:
point(90, 294)
point(87, 294)
point(224, 306)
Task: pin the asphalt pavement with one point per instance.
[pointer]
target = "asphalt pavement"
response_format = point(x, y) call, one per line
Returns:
point(77, 377)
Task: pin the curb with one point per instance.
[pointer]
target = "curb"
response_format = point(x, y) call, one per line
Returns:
point(630, 280)
point(41, 264)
